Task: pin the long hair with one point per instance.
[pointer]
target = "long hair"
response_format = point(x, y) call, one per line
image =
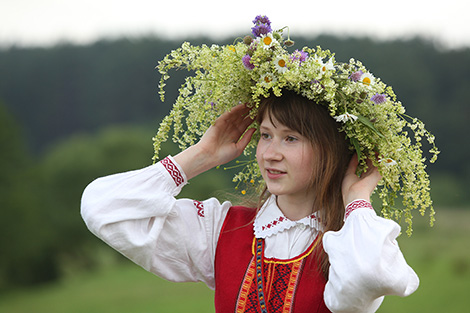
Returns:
point(332, 156)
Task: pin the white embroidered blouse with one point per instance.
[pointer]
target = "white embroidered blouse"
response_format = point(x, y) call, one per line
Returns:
point(137, 214)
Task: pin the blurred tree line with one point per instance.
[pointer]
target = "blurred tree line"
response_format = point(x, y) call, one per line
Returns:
point(69, 114)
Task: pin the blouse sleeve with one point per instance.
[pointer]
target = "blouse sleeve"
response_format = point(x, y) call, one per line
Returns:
point(137, 214)
point(365, 262)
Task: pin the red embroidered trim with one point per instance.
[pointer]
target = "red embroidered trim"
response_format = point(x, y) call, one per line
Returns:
point(173, 171)
point(200, 207)
point(246, 287)
point(281, 219)
point(268, 287)
point(357, 204)
point(292, 286)
point(278, 220)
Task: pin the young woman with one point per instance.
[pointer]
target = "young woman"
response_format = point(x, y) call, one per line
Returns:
point(293, 254)
point(314, 242)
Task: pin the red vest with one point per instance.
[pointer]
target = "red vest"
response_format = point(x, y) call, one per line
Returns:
point(293, 285)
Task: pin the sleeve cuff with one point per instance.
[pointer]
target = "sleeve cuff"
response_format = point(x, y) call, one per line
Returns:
point(357, 204)
point(176, 174)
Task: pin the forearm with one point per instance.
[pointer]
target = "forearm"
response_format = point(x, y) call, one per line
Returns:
point(137, 214)
point(195, 160)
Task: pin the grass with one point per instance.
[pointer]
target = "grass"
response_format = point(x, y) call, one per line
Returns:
point(440, 256)
point(120, 288)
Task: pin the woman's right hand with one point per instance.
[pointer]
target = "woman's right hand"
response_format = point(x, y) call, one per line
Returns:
point(221, 143)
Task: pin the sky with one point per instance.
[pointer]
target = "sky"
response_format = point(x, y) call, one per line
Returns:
point(47, 22)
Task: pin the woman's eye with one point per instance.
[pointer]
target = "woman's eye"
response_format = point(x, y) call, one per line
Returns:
point(291, 139)
point(265, 135)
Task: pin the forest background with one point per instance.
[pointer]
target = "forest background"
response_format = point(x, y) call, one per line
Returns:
point(71, 113)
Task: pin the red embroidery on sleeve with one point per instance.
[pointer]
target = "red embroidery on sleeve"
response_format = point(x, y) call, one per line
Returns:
point(357, 204)
point(200, 208)
point(173, 171)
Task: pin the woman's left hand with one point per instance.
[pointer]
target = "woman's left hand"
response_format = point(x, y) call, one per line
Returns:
point(355, 187)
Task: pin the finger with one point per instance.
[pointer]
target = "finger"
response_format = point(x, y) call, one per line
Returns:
point(243, 142)
point(239, 117)
point(240, 109)
point(353, 163)
point(231, 117)
point(372, 174)
point(375, 174)
point(247, 121)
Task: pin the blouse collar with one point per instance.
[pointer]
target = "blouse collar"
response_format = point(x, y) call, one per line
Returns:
point(270, 220)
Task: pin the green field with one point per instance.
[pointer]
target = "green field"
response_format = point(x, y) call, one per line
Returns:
point(440, 256)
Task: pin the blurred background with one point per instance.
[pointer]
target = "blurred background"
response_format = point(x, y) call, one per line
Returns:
point(79, 100)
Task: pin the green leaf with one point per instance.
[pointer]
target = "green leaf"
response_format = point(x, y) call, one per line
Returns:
point(369, 124)
point(357, 147)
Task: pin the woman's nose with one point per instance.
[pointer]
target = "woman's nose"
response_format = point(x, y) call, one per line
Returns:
point(272, 151)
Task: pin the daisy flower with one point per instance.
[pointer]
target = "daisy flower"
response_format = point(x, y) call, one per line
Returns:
point(328, 66)
point(268, 79)
point(280, 64)
point(345, 117)
point(267, 40)
point(388, 161)
point(367, 78)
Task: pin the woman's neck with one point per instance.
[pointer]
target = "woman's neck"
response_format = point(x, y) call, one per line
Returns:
point(295, 208)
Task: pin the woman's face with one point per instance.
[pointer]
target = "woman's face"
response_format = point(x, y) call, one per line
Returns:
point(285, 159)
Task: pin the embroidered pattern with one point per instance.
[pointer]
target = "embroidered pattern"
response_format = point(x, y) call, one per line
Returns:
point(285, 223)
point(356, 204)
point(278, 220)
point(259, 274)
point(173, 171)
point(268, 286)
point(283, 278)
point(243, 302)
point(200, 208)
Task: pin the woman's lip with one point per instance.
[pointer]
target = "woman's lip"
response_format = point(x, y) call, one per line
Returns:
point(273, 173)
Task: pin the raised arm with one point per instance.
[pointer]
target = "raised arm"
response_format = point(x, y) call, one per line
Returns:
point(365, 260)
point(137, 213)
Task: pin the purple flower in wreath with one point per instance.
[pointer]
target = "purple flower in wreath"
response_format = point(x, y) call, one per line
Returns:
point(378, 98)
point(299, 55)
point(247, 62)
point(356, 76)
point(262, 26)
point(261, 19)
point(317, 82)
point(260, 30)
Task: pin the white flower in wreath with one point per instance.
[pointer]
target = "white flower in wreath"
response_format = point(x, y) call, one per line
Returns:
point(280, 63)
point(267, 40)
point(345, 117)
point(268, 79)
point(367, 79)
point(328, 66)
point(388, 161)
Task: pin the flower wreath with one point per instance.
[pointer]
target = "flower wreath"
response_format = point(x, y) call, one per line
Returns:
point(259, 65)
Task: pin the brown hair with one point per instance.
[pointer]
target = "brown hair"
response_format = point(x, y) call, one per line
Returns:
point(313, 121)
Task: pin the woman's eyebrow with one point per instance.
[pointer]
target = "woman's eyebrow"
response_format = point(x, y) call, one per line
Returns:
point(283, 129)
